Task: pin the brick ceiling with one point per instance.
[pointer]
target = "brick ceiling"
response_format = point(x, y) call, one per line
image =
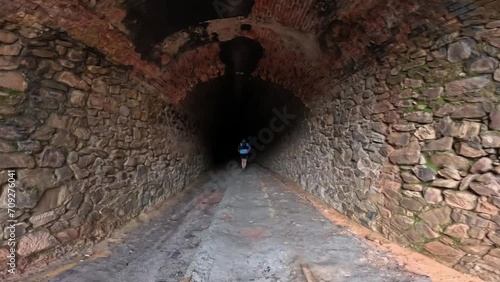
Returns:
point(309, 45)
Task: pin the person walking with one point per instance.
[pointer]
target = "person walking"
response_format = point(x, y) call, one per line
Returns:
point(244, 149)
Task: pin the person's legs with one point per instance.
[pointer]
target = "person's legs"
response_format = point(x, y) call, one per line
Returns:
point(244, 158)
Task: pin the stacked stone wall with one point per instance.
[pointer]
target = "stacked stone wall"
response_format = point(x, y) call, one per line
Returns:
point(91, 146)
point(410, 148)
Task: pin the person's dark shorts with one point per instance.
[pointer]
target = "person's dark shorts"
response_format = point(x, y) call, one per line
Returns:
point(244, 156)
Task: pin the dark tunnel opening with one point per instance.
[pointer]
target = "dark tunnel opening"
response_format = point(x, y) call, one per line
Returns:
point(263, 113)
point(238, 106)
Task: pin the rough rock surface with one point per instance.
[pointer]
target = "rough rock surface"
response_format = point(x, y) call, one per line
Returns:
point(435, 120)
point(70, 153)
point(392, 97)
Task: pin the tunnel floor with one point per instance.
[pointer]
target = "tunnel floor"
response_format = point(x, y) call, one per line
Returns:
point(256, 229)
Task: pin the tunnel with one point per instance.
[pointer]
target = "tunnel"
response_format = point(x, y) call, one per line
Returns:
point(385, 111)
point(237, 106)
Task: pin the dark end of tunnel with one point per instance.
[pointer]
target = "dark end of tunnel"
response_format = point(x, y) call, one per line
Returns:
point(241, 55)
point(151, 21)
point(246, 27)
point(238, 106)
point(326, 7)
point(263, 113)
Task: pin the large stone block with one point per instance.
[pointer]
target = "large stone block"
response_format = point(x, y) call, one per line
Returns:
point(7, 37)
point(437, 216)
point(52, 198)
point(446, 183)
point(450, 173)
point(399, 138)
point(465, 129)
point(409, 177)
point(468, 85)
point(460, 50)
point(71, 80)
point(469, 151)
point(486, 185)
point(460, 199)
point(496, 75)
point(382, 107)
point(490, 139)
point(35, 242)
point(43, 133)
point(450, 160)
point(443, 144)
point(67, 235)
point(483, 206)
point(425, 132)
point(16, 160)
point(58, 121)
point(52, 157)
point(411, 204)
point(406, 156)
point(7, 64)
point(64, 140)
point(426, 231)
point(419, 117)
point(13, 80)
point(424, 173)
point(77, 98)
point(495, 118)
point(39, 178)
point(475, 110)
point(483, 65)
point(43, 53)
point(402, 222)
point(494, 236)
point(76, 55)
point(6, 147)
point(479, 250)
point(433, 195)
point(457, 230)
point(445, 253)
point(481, 166)
point(10, 50)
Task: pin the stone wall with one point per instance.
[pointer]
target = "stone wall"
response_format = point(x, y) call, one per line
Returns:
point(92, 147)
point(410, 148)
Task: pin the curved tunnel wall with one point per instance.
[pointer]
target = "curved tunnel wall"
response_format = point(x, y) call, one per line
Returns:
point(409, 148)
point(92, 147)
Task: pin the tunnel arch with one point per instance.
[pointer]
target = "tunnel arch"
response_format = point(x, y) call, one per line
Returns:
point(401, 133)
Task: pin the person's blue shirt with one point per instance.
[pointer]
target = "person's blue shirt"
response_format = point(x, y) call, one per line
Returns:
point(244, 147)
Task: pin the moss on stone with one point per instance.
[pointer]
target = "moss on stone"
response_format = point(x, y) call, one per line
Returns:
point(423, 67)
point(480, 47)
point(12, 94)
point(411, 109)
point(441, 101)
point(455, 240)
point(425, 184)
point(10, 91)
point(420, 246)
point(430, 165)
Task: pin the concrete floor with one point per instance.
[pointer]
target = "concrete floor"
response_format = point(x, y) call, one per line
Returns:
point(255, 230)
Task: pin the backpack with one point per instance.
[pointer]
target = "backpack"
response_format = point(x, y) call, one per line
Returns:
point(244, 148)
